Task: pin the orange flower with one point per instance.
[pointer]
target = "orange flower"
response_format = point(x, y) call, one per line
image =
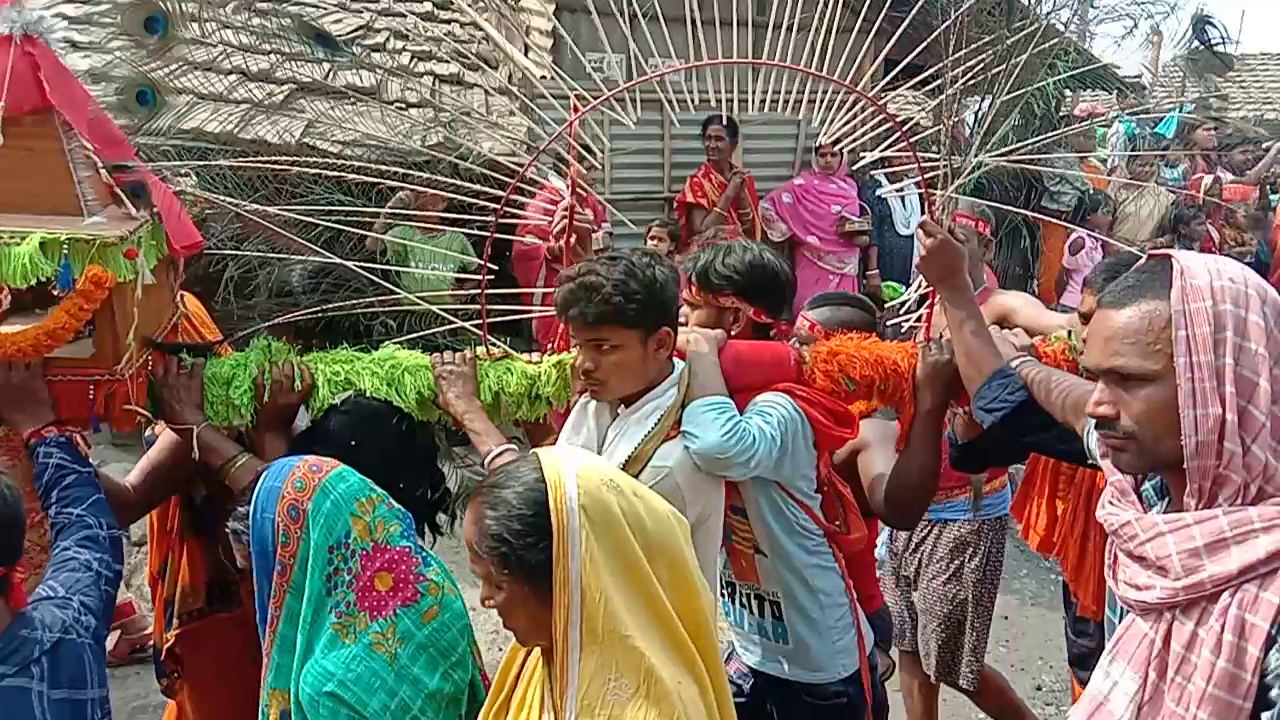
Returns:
point(64, 323)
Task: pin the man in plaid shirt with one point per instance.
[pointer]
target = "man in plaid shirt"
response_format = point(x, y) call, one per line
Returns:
point(53, 646)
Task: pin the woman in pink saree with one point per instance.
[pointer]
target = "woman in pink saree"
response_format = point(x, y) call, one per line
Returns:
point(547, 246)
point(816, 212)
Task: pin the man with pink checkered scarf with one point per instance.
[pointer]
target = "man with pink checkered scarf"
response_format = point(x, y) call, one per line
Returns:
point(1186, 350)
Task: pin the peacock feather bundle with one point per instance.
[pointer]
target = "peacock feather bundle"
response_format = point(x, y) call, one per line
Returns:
point(291, 125)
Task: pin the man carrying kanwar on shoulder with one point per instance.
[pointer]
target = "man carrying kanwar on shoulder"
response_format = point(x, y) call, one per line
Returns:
point(800, 643)
point(1182, 420)
point(825, 315)
point(622, 312)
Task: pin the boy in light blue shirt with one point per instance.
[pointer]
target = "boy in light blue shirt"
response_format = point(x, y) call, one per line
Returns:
point(800, 644)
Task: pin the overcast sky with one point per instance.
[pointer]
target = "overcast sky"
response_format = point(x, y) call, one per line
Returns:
point(1261, 31)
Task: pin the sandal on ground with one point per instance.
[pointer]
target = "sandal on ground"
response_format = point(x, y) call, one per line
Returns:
point(129, 640)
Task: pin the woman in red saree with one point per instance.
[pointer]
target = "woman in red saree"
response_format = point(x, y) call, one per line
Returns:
point(719, 201)
point(547, 247)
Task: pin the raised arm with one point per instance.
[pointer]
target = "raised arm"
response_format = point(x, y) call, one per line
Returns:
point(1258, 172)
point(181, 390)
point(457, 393)
point(402, 200)
point(943, 263)
point(87, 557)
point(1063, 395)
point(158, 475)
point(900, 486)
point(978, 356)
point(1013, 309)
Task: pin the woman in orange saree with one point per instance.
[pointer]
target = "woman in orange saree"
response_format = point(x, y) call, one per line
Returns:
point(719, 201)
point(208, 658)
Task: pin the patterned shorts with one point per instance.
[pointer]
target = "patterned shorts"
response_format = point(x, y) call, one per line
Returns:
point(941, 585)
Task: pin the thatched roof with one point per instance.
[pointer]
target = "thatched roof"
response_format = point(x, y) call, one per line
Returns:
point(340, 78)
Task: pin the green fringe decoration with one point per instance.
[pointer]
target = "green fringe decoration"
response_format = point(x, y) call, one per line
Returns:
point(511, 389)
point(33, 258)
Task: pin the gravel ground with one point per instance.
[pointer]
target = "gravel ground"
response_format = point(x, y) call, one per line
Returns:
point(1026, 642)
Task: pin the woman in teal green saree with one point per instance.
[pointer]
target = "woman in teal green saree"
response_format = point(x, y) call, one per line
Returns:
point(358, 619)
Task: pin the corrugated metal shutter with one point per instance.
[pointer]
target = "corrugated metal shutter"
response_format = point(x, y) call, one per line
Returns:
point(638, 183)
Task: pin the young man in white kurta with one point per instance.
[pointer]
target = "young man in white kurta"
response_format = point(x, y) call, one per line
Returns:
point(622, 312)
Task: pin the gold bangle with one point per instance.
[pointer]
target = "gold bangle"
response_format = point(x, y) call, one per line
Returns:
point(230, 467)
point(247, 490)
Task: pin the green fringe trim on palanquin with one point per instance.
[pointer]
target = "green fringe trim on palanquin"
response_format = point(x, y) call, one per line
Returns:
point(28, 259)
point(511, 389)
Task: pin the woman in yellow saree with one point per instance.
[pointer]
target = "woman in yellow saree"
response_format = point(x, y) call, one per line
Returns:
point(562, 544)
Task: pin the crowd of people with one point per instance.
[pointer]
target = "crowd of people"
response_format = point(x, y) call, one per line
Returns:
point(698, 539)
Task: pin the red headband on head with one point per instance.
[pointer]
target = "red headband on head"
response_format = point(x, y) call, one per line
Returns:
point(806, 323)
point(964, 219)
point(691, 295)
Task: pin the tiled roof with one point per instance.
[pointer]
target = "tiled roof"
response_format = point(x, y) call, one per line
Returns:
point(340, 77)
point(1250, 93)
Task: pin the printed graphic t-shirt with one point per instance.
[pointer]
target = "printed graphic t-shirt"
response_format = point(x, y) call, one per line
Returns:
point(782, 592)
point(421, 250)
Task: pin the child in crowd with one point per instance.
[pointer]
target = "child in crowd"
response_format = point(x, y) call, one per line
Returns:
point(416, 238)
point(1093, 212)
point(1174, 170)
point(1190, 230)
point(661, 235)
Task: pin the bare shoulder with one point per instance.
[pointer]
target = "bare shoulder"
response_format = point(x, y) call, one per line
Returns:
point(1000, 302)
point(878, 431)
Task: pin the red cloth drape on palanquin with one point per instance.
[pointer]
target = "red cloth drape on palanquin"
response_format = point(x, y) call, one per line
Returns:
point(38, 80)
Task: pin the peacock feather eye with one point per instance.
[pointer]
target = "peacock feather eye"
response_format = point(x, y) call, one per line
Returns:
point(151, 23)
point(145, 97)
point(156, 24)
point(142, 98)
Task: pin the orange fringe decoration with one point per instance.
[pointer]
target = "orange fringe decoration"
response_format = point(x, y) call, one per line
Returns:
point(64, 323)
point(1054, 507)
point(1083, 546)
point(868, 373)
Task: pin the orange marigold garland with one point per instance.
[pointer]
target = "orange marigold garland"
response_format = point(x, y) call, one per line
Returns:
point(64, 322)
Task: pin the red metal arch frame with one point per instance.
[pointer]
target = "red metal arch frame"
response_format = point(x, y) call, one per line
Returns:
point(571, 125)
